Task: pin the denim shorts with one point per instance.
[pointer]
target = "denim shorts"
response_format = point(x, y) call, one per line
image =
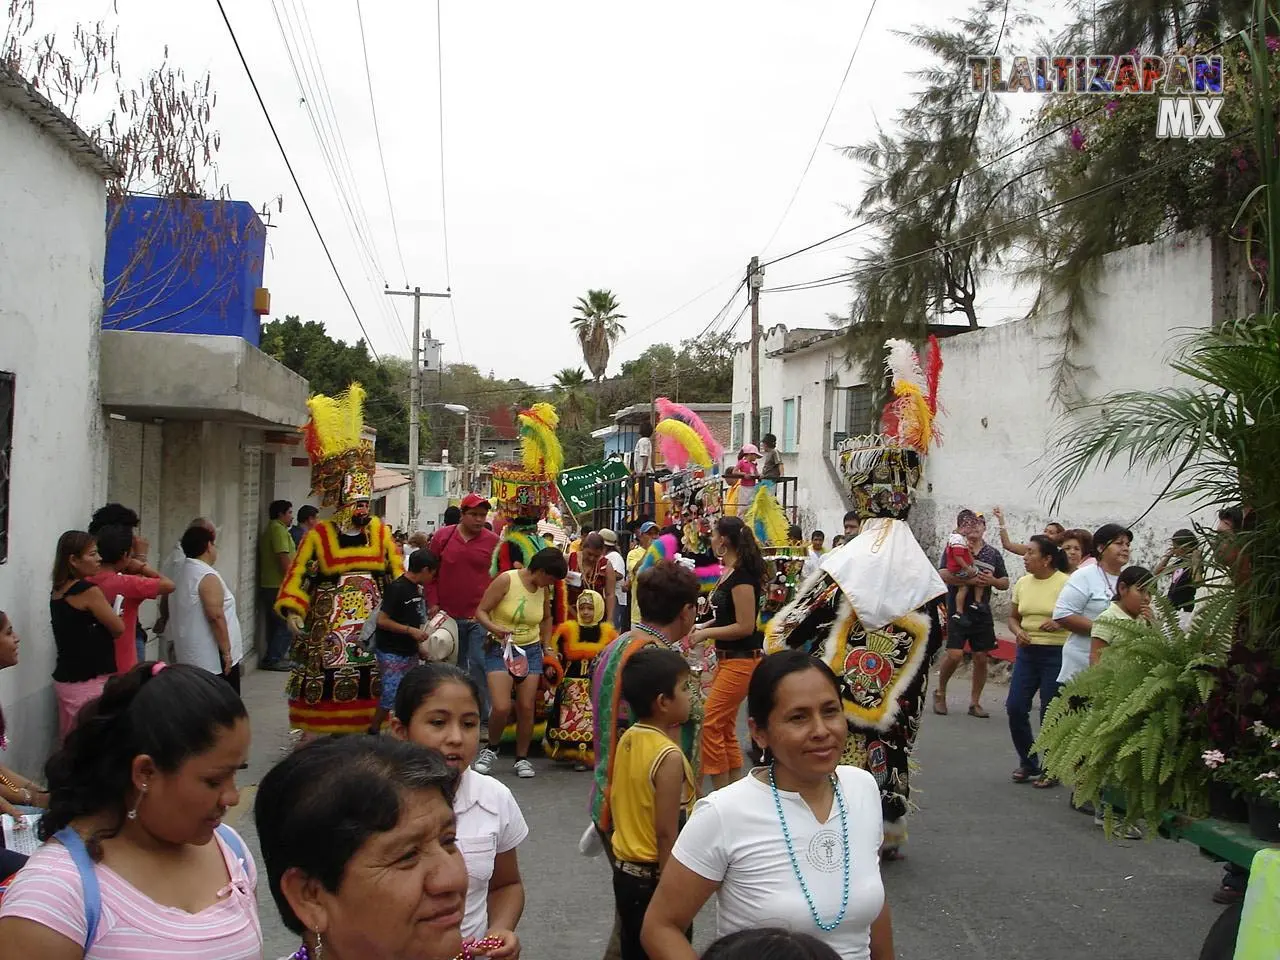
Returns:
point(392, 667)
point(493, 662)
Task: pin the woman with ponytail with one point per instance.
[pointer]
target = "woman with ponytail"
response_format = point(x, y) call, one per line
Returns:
point(734, 628)
point(136, 794)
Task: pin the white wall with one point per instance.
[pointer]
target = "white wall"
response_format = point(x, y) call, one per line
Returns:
point(52, 240)
point(998, 412)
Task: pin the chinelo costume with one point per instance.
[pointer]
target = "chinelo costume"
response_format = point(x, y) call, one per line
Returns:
point(575, 644)
point(870, 612)
point(337, 578)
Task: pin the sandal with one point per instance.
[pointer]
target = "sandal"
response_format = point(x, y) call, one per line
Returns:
point(891, 854)
point(1046, 782)
point(1024, 775)
point(939, 703)
point(976, 711)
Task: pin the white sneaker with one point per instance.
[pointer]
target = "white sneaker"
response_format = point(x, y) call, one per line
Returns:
point(485, 761)
point(524, 770)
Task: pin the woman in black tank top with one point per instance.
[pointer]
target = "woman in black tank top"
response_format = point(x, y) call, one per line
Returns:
point(84, 628)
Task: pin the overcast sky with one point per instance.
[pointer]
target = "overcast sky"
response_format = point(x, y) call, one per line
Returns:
point(650, 149)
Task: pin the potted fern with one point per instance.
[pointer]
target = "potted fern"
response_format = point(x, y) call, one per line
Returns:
point(1127, 726)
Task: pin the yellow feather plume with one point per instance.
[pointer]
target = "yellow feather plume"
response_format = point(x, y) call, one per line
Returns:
point(767, 520)
point(680, 443)
point(540, 448)
point(336, 422)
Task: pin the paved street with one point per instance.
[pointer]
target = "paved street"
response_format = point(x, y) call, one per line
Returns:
point(995, 871)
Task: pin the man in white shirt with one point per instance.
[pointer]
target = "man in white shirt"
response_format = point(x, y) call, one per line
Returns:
point(816, 553)
point(642, 467)
point(621, 616)
point(204, 628)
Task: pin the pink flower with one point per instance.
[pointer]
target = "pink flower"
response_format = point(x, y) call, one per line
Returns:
point(1259, 728)
point(1111, 107)
point(1269, 775)
point(1242, 164)
point(1273, 44)
point(1077, 138)
point(1213, 758)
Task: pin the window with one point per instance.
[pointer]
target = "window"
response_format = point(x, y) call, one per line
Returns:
point(766, 420)
point(790, 425)
point(854, 415)
point(739, 424)
point(8, 390)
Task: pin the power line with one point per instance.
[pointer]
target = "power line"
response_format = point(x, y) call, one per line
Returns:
point(821, 133)
point(332, 154)
point(687, 303)
point(973, 238)
point(294, 177)
point(377, 133)
point(444, 204)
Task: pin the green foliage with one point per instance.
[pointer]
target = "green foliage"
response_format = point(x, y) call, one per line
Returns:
point(699, 371)
point(598, 324)
point(934, 193)
point(1122, 725)
point(572, 399)
point(330, 366)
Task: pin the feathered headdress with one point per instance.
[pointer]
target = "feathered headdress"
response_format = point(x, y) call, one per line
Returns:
point(667, 410)
point(539, 446)
point(766, 519)
point(680, 444)
point(910, 415)
point(342, 461)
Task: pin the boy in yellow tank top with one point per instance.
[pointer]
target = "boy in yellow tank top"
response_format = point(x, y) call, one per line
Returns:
point(652, 790)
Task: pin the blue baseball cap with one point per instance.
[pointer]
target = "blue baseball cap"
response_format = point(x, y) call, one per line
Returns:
point(648, 526)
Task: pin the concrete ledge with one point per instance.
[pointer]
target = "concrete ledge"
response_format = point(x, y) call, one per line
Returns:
point(178, 376)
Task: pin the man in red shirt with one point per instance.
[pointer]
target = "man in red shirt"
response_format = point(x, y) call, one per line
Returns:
point(466, 552)
point(126, 591)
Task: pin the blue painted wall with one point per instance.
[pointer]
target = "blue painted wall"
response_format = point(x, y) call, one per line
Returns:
point(184, 266)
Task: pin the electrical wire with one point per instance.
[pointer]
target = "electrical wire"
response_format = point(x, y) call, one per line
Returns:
point(332, 155)
point(688, 303)
point(294, 177)
point(821, 133)
point(880, 269)
point(377, 134)
point(444, 204)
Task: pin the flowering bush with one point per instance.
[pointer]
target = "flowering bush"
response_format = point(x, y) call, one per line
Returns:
point(1253, 769)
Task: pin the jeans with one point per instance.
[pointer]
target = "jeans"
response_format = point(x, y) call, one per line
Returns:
point(471, 640)
point(1036, 668)
point(278, 638)
point(622, 617)
point(140, 644)
point(631, 896)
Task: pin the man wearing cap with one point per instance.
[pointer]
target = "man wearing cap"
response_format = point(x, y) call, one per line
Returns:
point(466, 552)
point(635, 556)
point(978, 629)
point(621, 617)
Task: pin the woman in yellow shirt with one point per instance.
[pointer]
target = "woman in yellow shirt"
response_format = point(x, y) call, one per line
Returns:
point(1039, 657)
point(516, 610)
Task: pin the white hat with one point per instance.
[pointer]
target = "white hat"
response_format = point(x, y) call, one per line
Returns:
point(442, 639)
point(609, 537)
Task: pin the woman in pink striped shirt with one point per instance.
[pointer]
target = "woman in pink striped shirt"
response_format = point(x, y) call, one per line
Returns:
point(137, 793)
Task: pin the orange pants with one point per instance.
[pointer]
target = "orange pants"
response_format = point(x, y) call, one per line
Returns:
point(721, 752)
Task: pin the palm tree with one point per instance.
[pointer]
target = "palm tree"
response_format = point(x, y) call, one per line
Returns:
point(598, 326)
point(571, 398)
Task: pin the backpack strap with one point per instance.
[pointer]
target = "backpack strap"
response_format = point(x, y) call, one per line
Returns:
point(71, 841)
point(232, 840)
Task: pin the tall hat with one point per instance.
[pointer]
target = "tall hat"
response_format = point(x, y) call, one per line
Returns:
point(525, 490)
point(883, 470)
point(342, 460)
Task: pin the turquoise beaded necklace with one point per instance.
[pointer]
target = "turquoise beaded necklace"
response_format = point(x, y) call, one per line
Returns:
point(795, 863)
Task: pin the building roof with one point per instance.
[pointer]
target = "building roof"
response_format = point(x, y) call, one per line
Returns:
point(639, 412)
point(388, 480)
point(798, 341)
point(39, 109)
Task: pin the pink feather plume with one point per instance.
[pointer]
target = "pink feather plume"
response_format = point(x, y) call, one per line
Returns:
point(678, 411)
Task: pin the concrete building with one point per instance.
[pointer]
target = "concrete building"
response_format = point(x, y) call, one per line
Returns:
point(998, 411)
point(52, 447)
point(620, 437)
point(200, 423)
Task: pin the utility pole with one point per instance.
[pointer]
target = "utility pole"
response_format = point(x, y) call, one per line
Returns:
point(755, 280)
point(415, 373)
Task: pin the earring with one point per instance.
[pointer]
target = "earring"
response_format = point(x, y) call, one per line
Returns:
point(142, 792)
point(319, 947)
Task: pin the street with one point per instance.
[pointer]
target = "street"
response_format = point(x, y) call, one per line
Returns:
point(995, 871)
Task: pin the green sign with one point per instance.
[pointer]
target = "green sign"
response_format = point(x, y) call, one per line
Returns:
point(578, 484)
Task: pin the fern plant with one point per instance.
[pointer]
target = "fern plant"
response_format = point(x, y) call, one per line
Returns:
point(1126, 724)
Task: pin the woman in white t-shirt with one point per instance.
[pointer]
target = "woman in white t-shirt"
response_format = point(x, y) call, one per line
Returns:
point(795, 844)
point(1088, 593)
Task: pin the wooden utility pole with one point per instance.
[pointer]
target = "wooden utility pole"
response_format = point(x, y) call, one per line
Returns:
point(755, 280)
point(415, 398)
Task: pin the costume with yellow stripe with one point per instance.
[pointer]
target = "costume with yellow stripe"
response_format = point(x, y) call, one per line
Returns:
point(337, 579)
